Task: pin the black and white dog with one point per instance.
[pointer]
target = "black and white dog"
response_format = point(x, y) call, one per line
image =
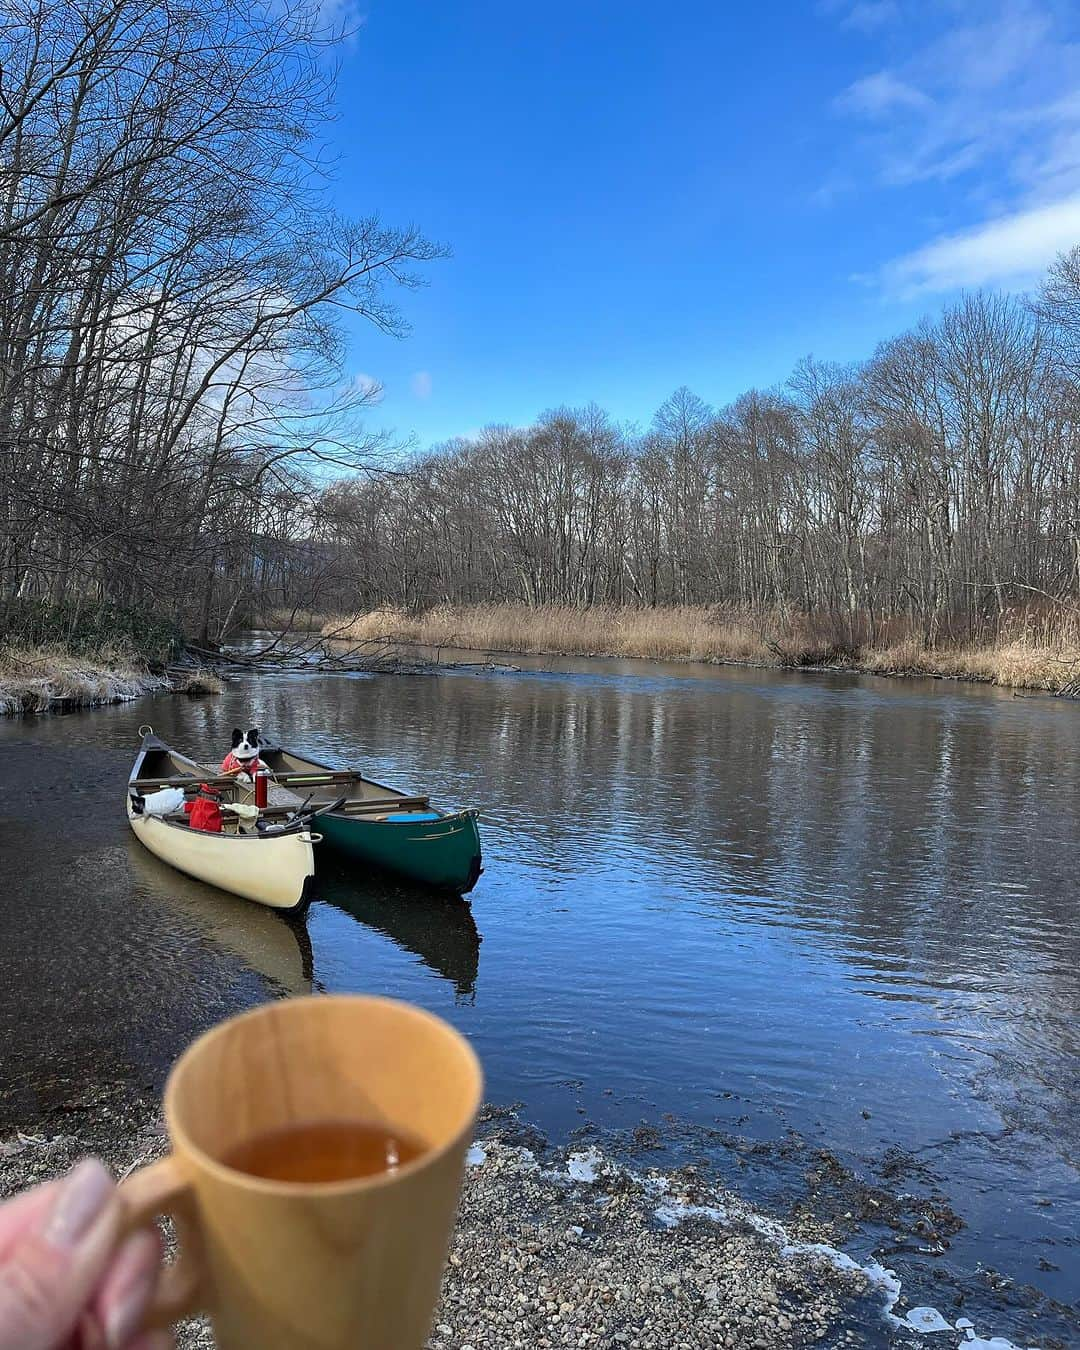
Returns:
point(243, 761)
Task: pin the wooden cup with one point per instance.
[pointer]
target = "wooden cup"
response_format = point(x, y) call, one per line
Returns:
point(324, 1266)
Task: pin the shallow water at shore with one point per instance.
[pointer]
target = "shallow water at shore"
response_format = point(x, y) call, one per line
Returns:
point(795, 913)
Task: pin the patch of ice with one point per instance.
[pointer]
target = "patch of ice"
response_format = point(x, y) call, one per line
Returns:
point(768, 1228)
point(879, 1276)
point(886, 1280)
point(476, 1156)
point(674, 1213)
point(584, 1166)
point(974, 1342)
point(927, 1320)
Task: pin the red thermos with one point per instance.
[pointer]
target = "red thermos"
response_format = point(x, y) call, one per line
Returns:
point(261, 778)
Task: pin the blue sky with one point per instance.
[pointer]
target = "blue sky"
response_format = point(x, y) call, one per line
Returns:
point(639, 196)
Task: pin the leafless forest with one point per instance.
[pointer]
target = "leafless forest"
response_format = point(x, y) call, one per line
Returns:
point(933, 488)
point(178, 435)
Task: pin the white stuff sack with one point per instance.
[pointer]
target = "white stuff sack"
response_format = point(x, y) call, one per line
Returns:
point(161, 803)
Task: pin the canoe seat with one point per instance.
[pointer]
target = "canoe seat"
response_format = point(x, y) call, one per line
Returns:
point(413, 817)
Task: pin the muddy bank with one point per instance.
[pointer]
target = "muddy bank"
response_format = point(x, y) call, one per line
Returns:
point(560, 1247)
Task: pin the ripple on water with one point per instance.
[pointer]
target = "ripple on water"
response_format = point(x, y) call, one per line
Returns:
point(842, 906)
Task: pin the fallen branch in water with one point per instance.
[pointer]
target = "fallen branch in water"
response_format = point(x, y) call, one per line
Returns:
point(314, 653)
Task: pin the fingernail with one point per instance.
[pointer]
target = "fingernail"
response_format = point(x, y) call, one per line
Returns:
point(123, 1318)
point(82, 1195)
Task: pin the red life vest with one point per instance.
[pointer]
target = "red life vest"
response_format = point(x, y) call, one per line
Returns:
point(204, 813)
point(230, 764)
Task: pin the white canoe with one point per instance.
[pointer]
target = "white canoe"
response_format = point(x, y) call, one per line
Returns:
point(271, 869)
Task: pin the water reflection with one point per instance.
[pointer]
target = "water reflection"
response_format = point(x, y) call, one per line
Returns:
point(275, 945)
point(440, 931)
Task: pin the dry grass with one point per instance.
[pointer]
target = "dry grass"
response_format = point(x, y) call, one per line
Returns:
point(197, 682)
point(662, 634)
point(1039, 647)
point(1013, 665)
point(33, 680)
point(284, 620)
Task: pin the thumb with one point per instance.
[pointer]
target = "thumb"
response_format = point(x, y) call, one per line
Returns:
point(51, 1274)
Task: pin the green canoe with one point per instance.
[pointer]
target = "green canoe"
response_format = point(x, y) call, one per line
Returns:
point(380, 825)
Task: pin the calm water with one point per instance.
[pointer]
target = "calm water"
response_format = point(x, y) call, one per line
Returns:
point(754, 901)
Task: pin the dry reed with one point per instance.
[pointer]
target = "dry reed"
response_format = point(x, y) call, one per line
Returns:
point(34, 680)
point(197, 682)
point(285, 620)
point(1037, 648)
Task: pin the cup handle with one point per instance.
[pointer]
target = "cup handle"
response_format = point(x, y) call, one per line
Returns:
point(151, 1192)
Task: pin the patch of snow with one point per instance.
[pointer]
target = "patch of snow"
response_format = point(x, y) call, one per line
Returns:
point(674, 1213)
point(973, 1342)
point(879, 1276)
point(584, 1166)
point(927, 1320)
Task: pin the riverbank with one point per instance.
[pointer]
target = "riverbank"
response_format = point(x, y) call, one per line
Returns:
point(49, 679)
point(558, 1248)
point(1034, 652)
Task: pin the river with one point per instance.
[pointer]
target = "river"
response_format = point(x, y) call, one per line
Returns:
point(773, 917)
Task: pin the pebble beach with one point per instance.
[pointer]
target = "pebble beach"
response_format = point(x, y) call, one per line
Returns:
point(568, 1247)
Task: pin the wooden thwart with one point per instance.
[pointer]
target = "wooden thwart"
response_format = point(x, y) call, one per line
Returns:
point(229, 780)
point(356, 808)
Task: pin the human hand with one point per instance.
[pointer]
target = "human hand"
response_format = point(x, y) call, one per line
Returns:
point(68, 1281)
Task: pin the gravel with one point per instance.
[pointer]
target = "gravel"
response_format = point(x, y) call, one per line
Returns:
point(567, 1250)
point(542, 1260)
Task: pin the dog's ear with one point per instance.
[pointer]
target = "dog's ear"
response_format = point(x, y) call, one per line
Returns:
point(237, 736)
point(253, 735)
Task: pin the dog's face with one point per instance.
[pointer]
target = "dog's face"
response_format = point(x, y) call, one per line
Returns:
point(245, 744)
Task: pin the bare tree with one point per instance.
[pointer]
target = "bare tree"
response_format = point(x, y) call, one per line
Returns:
point(171, 288)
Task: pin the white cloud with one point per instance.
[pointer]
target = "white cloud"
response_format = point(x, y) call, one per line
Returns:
point(878, 95)
point(982, 95)
point(870, 15)
point(1000, 79)
point(367, 386)
point(865, 15)
point(1012, 250)
point(346, 15)
point(420, 384)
